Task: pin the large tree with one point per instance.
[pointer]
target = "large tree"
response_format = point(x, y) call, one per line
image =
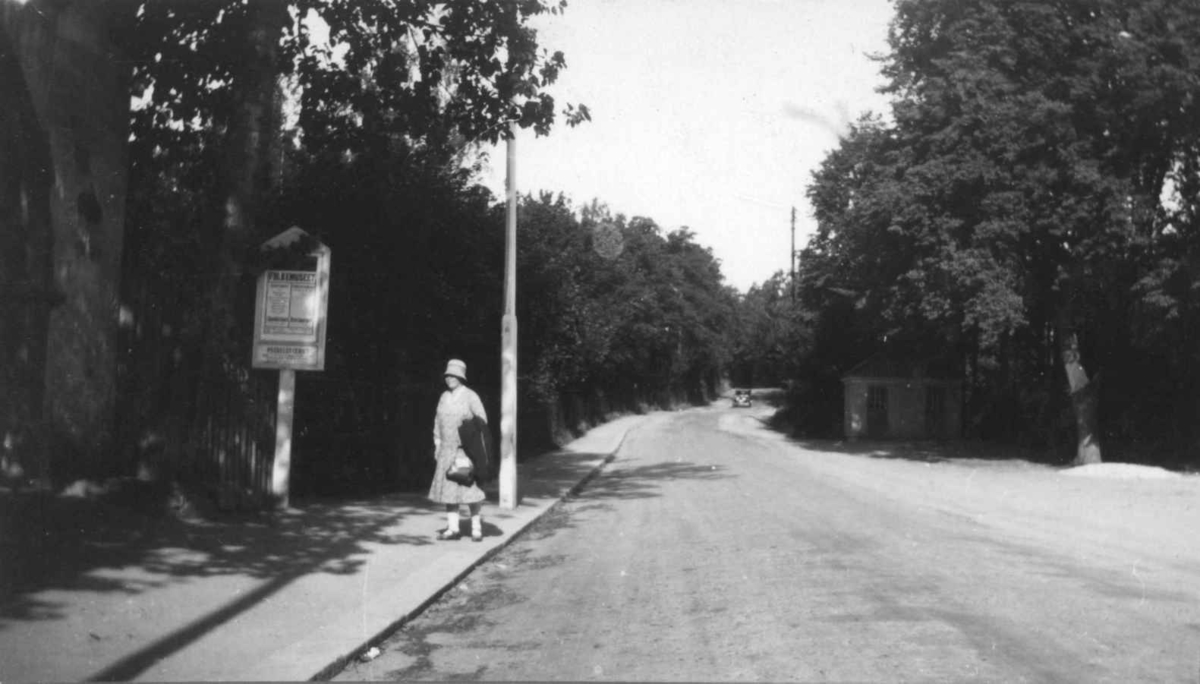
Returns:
point(239, 102)
point(63, 127)
point(1018, 187)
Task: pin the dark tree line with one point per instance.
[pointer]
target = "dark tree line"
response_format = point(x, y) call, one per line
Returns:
point(247, 121)
point(1029, 207)
point(250, 125)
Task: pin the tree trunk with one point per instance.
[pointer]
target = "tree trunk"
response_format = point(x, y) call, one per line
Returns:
point(219, 394)
point(62, 208)
point(26, 267)
point(1084, 398)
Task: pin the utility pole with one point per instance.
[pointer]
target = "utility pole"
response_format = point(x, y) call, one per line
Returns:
point(792, 258)
point(508, 338)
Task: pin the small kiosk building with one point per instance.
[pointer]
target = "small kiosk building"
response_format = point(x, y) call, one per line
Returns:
point(896, 398)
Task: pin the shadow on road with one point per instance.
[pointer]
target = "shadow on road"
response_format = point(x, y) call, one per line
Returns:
point(640, 482)
point(76, 544)
point(575, 472)
point(929, 451)
point(601, 492)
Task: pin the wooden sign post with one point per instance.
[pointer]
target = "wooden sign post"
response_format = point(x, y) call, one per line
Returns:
point(290, 311)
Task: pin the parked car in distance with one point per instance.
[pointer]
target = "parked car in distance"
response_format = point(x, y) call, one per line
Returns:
point(741, 398)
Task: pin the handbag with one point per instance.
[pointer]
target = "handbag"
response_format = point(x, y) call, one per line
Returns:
point(461, 471)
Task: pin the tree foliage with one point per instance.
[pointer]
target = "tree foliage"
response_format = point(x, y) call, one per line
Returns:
point(351, 119)
point(418, 68)
point(1013, 207)
point(648, 322)
point(769, 339)
point(365, 140)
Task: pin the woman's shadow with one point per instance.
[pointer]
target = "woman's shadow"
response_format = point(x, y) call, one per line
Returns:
point(489, 529)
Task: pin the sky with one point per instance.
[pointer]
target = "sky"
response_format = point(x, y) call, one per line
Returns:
point(710, 114)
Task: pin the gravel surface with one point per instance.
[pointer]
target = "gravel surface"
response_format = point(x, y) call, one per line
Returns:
point(1127, 471)
point(714, 549)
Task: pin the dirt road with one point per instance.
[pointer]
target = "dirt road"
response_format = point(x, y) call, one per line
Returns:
point(715, 549)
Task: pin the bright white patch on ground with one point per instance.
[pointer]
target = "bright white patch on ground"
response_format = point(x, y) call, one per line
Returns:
point(1124, 471)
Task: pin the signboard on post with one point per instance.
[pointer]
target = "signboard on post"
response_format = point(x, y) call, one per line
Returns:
point(290, 310)
point(289, 335)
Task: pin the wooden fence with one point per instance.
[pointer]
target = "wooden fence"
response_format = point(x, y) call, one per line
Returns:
point(353, 433)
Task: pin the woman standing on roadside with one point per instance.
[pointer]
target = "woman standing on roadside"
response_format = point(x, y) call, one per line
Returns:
point(459, 403)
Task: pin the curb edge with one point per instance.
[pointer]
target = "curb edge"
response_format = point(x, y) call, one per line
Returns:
point(340, 663)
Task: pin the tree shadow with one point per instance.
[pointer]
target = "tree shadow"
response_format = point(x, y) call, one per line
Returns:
point(908, 451)
point(641, 482)
point(601, 489)
point(930, 451)
point(1156, 454)
point(569, 473)
point(76, 544)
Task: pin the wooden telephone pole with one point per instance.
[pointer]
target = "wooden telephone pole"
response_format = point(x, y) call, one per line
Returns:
point(792, 258)
point(508, 338)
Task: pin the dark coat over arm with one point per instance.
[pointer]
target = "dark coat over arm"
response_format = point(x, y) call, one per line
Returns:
point(475, 438)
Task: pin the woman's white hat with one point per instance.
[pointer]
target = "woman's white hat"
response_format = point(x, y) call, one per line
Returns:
point(456, 368)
